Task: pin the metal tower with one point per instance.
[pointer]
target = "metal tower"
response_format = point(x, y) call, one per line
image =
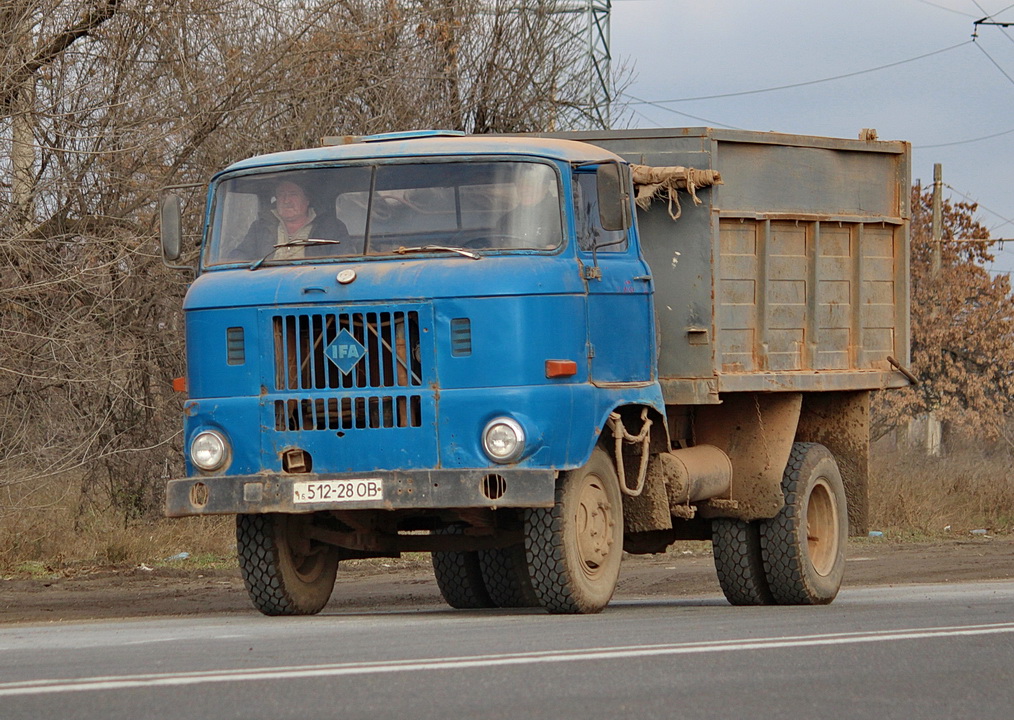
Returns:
point(591, 27)
point(585, 22)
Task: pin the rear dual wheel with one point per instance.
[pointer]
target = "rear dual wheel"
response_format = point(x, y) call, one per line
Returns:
point(474, 579)
point(798, 556)
point(738, 561)
point(804, 545)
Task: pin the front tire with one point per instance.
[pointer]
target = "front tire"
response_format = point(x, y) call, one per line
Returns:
point(285, 572)
point(574, 548)
point(804, 545)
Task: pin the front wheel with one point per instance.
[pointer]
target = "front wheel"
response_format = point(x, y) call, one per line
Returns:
point(574, 548)
point(285, 572)
point(804, 545)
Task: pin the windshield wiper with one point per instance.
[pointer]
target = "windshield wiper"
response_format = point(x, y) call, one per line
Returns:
point(430, 248)
point(292, 243)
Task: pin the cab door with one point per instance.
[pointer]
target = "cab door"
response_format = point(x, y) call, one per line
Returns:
point(621, 320)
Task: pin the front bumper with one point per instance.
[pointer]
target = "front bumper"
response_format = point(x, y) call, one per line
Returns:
point(417, 489)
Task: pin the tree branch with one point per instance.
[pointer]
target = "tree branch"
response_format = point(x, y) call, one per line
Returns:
point(91, 19)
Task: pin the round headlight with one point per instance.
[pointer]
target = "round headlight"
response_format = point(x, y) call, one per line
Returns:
point(503, 440)
point(208, 450)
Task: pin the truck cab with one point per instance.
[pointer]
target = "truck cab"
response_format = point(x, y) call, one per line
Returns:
point(450, 333)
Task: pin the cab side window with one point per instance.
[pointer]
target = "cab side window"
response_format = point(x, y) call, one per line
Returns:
point(586, 214)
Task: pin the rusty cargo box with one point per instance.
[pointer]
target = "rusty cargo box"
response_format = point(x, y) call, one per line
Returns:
point(792, 275)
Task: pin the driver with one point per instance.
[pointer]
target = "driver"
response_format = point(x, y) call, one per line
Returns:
point(293, 219)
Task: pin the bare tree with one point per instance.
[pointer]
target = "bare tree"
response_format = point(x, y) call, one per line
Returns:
point(104, 102)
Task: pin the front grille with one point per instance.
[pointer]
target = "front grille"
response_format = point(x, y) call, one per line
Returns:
point(392, 356)
point(348, 413)
point(387, 357)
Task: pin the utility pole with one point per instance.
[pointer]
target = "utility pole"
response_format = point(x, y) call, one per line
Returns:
point(938, 231)
point(933, 429)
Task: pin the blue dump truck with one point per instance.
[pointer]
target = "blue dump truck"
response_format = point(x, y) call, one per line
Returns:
point(530, 355)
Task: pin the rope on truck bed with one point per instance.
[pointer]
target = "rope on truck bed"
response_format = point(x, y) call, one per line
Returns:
point(651, 182)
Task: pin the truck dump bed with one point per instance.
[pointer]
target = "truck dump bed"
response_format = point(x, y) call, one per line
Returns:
point(792, 275)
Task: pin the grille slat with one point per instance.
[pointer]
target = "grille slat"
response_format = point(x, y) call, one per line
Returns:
point(349, 413)
point(393, 359)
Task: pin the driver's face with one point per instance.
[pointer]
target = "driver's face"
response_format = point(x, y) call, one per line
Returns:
point(290, 201)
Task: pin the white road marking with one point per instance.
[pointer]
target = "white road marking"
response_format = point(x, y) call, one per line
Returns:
point(127, 682)
point(152, 641)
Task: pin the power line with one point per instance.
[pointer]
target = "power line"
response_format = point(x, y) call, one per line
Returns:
point(990, 19)
point(983, 21)
point(963, 142)
point(941, 7)
point(968, 197)
point(639, 101)
point(995, 63)
point(808, 82)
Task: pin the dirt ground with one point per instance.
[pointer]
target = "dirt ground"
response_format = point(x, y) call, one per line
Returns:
point(365, 586)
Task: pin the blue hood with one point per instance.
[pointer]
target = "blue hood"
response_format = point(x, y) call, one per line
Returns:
point(382, 280)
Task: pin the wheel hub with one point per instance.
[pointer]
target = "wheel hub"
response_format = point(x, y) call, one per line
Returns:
point(594, 526)
point(822, 527)
point(308, 562)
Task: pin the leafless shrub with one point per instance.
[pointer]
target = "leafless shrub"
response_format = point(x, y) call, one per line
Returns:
point(103, 102)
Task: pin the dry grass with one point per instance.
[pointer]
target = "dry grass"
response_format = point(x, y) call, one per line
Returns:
point(910, 496)
point(37, 537)
point(966, 490)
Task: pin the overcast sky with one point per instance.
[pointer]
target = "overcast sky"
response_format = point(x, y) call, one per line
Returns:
point(956, 105)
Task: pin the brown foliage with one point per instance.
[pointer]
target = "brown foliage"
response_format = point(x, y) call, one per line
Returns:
point(962, 330)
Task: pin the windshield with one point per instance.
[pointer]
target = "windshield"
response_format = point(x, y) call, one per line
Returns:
point(338, 212)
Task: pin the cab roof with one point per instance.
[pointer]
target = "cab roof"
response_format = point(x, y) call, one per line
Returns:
point(430, 143)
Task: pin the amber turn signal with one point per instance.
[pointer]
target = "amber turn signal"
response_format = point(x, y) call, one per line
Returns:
point(180, 384)
point(560, 368)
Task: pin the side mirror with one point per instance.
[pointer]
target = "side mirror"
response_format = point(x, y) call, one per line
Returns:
point(612, 186)
point(170, 228)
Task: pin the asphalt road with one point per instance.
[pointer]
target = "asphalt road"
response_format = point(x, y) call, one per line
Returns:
point(934, 651)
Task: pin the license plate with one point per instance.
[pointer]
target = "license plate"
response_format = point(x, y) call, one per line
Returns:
point(338, 491)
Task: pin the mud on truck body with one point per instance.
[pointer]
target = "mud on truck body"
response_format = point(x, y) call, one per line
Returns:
point(502, 361)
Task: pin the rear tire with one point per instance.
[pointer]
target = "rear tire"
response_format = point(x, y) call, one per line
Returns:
point(739, 562)
point(459, 576)
point(575, 547)
point(804, 545)
point(285, 572)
